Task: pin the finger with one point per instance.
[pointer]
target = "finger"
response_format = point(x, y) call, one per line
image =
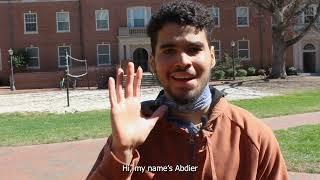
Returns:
point(137, 82)
point(159, 113)
point(112, 92)
point(119, 89)
point(130, 77)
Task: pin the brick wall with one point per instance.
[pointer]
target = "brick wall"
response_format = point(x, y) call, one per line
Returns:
point(33, 80)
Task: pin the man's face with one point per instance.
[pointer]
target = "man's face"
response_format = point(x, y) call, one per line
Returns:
point(182, 61)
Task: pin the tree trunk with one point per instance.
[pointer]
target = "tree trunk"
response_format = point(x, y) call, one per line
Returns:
point(279, 61)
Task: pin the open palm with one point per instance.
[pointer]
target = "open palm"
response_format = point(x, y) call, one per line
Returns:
point(129, 127)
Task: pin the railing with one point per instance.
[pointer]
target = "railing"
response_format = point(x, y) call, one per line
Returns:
point(133, 31)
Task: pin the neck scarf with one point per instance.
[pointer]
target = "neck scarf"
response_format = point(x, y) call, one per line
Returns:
point(202, 102)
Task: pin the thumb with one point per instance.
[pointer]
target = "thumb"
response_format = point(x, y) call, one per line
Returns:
point(159, 113)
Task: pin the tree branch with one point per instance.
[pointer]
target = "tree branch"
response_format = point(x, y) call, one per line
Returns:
point(305, 30)
point(265, 6)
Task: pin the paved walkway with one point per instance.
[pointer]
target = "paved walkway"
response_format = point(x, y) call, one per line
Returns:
point(73, 160)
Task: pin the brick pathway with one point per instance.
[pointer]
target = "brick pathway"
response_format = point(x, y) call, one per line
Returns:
point(73, 160)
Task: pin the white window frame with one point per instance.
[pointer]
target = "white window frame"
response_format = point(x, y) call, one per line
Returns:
point(248, 15)
point(25, 25)
point(147, 15)
point(97, 52)
point(247, 59)
point(96, 13)
point(38, 57)
point(211, 13)
point(219, 42)
point(59, 65)
point(57, 22)
point(314, 7)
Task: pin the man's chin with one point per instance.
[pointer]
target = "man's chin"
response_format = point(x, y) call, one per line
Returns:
point(184, 98)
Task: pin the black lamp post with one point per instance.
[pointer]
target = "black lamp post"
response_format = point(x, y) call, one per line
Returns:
point(12, 86)
point(233, 44)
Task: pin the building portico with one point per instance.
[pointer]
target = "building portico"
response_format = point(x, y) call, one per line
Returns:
point(306, 52)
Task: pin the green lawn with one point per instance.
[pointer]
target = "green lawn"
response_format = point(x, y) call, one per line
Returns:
point(39, 128)
point(301, 148)
point(308, 101)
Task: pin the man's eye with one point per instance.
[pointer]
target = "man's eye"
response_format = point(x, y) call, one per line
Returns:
point(169, 51)
point(193, 50)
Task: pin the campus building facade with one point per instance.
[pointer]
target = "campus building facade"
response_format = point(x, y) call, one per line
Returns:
point(109, 33)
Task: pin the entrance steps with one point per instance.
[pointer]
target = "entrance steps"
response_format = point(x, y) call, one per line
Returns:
point(148, 80)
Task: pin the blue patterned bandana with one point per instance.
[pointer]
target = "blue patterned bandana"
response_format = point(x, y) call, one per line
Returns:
point(202, 102)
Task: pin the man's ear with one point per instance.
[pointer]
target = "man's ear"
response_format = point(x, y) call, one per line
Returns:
point(151, 63)
point(213, 58)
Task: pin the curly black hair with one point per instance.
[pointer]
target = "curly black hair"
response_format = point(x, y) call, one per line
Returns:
point(182, 13)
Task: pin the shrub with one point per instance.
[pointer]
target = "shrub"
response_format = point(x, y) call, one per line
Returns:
point(20, 60)
point(242, 73)
point(218, 74)
point(227, 62)
point(103, 76)
point(261, 72)
point(251, 71)
point(292, 71)
point(229, 72)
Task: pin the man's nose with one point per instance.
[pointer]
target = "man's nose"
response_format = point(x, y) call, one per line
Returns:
point(184, 60)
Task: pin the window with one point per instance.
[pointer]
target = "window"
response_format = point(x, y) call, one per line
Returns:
point(242, 16)
point(138, 16)
point(30, 23)
point(216, 45)
point(102, 20)
point(103, 54)
point(62, 50)
point(309, 13)
point(33, 53)
point(63, 21)
point(215, 14)
point(243, 49)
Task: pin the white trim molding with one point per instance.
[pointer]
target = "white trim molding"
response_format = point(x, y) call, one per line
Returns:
point(59, 65)
point(96, 12)
point(107, 54)
point(34, 57)
point(63, 21)
point(131, 15)
point(248, 41)
point(238, 9)
point(31, 22)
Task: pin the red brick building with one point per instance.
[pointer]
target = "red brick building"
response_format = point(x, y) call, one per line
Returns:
point(108, 32)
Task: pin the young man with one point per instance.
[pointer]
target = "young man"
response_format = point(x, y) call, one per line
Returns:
point(190, 131)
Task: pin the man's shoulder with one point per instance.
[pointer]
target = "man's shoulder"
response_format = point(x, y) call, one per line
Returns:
point(250, 126)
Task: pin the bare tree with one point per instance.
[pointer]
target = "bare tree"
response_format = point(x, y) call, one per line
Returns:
point(285, 17)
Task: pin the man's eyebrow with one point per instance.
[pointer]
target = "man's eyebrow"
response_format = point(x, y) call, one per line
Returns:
point(167, 45)
point(170, 45)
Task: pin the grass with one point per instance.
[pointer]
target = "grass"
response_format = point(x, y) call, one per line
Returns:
point(40, 128)
point(301, 148)
point(294, 103)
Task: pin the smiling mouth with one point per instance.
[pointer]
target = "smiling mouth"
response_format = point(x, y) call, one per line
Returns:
point(182, 78)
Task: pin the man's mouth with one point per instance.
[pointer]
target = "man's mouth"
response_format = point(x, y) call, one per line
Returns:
point(182, 76)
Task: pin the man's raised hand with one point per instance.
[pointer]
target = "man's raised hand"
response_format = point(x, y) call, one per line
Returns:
point(129, 128)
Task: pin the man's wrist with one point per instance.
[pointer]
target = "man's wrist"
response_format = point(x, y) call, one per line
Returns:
point(123, 154)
